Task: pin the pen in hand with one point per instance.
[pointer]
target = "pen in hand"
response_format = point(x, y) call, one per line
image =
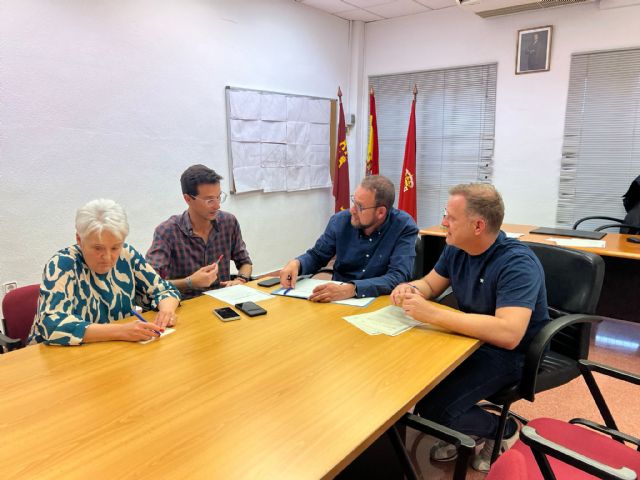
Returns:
point(141, 318)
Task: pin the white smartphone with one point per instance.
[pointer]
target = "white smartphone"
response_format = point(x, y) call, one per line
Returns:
point(226, 314)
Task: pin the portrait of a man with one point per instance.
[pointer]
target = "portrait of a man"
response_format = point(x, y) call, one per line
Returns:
point(534, 48)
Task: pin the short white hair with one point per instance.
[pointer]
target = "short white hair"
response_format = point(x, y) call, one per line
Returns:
point(100, 215)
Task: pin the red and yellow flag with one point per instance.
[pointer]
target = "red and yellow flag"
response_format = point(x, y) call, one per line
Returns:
point(372, 152)
point(341, 172)
point(407, 200)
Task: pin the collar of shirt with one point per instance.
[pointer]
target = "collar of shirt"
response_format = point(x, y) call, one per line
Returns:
point(186, 226)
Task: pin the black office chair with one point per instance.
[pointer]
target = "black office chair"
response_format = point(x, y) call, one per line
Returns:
point(573, 279)
point(630, 224)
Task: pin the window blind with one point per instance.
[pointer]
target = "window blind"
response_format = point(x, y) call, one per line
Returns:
point(601, 148)
point(455, 117)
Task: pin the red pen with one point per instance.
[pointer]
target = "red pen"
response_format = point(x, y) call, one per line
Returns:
point(219, 258)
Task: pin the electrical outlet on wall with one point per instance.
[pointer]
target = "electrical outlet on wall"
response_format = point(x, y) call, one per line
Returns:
point(8, 286)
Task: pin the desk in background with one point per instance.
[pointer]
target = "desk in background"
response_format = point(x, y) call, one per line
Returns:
point(620, 296)
point(295, 394)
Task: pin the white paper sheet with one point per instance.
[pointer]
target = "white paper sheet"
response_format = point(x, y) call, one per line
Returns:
point(318, 134)
point(513, 234)
point(238, 294)
point(273, 106)
point(167, 331)
point(319, 177)
point(319, 156)
point(248, 179)
point(274, 179)
point(245, 154)
point(245, 130)
point(244, 104)
point(389, 320)
point(298, 133)
point(319, 110)
point(272, 154)
point(274, 132)
point(578, 242)
point(297, 179)
point(298, 155)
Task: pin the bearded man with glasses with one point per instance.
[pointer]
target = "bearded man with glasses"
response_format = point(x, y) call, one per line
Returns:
point(373, 244)
point(194, 250)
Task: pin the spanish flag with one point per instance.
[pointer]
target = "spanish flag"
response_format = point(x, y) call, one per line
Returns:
point(372, 152)
point(341, 172)
point(407, 200)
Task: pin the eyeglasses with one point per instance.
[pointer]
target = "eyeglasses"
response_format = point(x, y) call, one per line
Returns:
point(212, 200)
point(359, 207)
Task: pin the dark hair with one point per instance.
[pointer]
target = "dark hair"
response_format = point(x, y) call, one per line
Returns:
point(483, 200)
point(383, 188)
point(197, 175)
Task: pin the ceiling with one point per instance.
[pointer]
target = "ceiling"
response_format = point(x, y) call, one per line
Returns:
point(372, 10)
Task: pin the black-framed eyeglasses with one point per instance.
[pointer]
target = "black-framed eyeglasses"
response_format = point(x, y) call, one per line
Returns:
point(359, 207)
point(212, 200)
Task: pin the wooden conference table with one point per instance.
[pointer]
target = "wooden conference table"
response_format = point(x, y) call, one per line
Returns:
point(297, 393)
point(619, 298)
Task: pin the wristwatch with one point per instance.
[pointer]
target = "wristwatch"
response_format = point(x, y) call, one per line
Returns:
point(243, 277)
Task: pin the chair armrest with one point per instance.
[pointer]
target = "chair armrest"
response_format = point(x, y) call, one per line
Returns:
point(616, 225)
point(575, 225)
point(460, 440)
point(588, 365)
point(541, 446)
point(539, 344)
point(9, 343)
point(612, 432)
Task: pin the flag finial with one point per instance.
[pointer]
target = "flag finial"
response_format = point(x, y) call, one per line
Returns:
point(370, 90)
point(339, 93)
point(415, 90)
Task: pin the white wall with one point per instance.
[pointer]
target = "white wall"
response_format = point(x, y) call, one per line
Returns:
point(530, 108)
point(116, 98)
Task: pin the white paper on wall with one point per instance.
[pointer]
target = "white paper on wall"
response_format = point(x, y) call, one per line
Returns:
point(245, 154)
point(274, 179)
point(273, 106)
point(247, 179)
point(318, 133)
point(297, 109)
point(319, 156)
point(298, 155)
point(272, 154)
point(298, 133)
point(244, 104)
point(319, 110)
point(319, 177)
point(297, 178)
point(245, 130)
point(273, 132)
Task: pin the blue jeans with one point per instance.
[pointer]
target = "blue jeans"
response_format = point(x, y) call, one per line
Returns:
point(452, 402)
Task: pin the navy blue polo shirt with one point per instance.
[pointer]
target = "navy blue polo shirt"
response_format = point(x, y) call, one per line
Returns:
point(507, 274)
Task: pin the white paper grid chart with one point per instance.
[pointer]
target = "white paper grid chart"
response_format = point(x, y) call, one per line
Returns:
point(278, 142)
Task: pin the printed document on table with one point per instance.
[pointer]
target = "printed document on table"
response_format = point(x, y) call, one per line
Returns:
point(578, 242)
point(238, 294)
point(389, 320)
point(513, 234)
point(304, 289)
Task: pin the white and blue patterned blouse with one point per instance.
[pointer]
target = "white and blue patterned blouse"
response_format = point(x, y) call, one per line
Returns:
point(72, 296)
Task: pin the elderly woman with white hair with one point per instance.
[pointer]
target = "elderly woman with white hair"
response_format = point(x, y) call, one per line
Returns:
point(87, 286)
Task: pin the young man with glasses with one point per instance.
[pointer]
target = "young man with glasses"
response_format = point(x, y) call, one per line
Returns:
point(373, 244)
point(193, 250)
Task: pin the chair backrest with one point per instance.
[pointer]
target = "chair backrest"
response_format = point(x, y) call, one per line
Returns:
point(632, 218)
point(574, 280)
point(19, 309)
point(418, 263)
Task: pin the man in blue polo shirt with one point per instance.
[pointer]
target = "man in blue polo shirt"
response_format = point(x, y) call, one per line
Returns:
point(373, 243)
point(499, 285)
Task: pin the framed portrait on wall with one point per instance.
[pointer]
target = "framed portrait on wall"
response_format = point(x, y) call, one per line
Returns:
point(534, 50)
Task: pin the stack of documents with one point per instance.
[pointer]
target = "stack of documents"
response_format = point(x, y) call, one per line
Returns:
point(304, 289)
point(388, 321)
point(578, 242)
point(238, 294)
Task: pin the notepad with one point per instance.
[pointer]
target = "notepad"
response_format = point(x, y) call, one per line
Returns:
point(304, 289)
point(389, 320)
point(578, 242)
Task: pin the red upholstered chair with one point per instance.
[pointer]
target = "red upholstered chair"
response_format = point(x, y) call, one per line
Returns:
point(574, 450)
point(18, 308)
